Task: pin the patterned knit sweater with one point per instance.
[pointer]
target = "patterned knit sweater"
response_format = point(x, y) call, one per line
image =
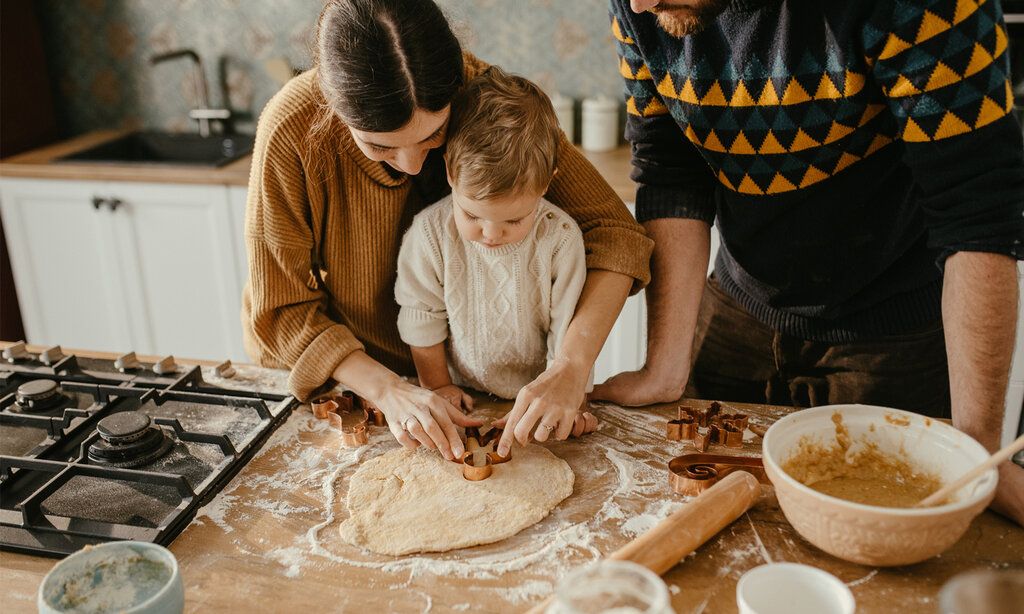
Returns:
point(504, 311)
point(321, 200)
point(843, 148)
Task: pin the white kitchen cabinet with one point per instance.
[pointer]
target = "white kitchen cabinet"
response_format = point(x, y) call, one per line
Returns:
point(65, 269)
point(150, 267)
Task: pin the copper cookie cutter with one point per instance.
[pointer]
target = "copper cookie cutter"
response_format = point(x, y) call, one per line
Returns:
point(707, 426)
point(349, 414)
point(480, 457)
point(692, 474)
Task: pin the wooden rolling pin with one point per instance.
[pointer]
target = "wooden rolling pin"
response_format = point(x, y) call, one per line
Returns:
point(660, 548)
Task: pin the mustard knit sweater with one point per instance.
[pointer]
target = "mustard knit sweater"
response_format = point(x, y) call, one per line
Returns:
point(319, 198)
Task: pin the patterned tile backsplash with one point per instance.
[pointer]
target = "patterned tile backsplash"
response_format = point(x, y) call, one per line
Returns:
point(99, 52)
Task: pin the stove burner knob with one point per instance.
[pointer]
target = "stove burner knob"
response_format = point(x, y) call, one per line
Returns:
point(166, 366)
point(127, 362)
point(37, 394)
point(51, 356)
point(224, 370)
point(16, 352)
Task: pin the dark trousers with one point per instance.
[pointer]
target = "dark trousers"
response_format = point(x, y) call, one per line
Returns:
point(737, 358)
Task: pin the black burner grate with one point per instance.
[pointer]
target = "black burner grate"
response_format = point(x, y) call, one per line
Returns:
point(55, 499)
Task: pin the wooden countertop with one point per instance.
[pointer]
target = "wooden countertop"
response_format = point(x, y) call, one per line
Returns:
point(270, 538)
point(39, 164)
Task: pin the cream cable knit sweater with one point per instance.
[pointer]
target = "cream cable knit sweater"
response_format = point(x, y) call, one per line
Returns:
point(504, 311)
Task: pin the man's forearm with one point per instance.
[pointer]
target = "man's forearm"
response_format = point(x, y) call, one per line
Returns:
point(679, 269)
point(431, 365)
point(979, 313)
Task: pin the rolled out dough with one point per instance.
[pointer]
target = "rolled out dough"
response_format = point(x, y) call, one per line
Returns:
point(408, 501)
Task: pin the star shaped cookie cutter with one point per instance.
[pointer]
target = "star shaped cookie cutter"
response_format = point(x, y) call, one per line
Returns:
point(692, 474)
point(350, 414)
point(707, 426)
point(480, 457)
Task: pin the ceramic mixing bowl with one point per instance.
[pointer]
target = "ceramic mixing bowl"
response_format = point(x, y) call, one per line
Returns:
point(867, 534)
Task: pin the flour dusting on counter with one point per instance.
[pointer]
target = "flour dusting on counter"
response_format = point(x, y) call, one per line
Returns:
point(313, 463)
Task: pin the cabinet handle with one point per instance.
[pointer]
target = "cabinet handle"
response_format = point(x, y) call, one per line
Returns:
point(114, 203)
point(98, 202)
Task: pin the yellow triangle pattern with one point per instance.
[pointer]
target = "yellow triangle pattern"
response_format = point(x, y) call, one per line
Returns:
point(617, 33)
point(631, 106)
point(691, 134)
point(715, 97)
point(1009, 97)
point(854, 83)
point(688, 94)
point(1000, 41)
point(813, 175)
point(902, 87)
point(741, 97)
point(942, 76)
point(768, 95)
point(655, 107)
point(894, 45)
point(931, 25)
point(713, 143)
point(837, 131)
point(951, 125)
point(625, 70)
point(644, 73)
point(990, 112)
point(741, 145)
point(748, 186)
point(795, 93)
point(666, 88)
point(725, 181)
point(802, 141)
point(827, 89)
point(845, 160)
point(980, 58)
point(771, 145)
point(964, 9)
point(912, 133)
point(780, 184)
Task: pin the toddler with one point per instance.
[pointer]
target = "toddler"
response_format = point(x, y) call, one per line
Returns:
point(489, 277)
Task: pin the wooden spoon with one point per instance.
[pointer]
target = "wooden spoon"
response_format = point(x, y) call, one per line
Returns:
point(1001, 456)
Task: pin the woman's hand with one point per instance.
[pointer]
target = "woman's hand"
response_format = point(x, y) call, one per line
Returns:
point(456, 396)
point(547, 406)
point(417, 416)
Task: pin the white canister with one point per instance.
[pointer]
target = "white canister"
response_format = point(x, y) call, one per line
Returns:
point(564, 112)
point(600, 124)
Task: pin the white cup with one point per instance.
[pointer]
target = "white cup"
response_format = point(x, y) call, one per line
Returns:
point(791, 588)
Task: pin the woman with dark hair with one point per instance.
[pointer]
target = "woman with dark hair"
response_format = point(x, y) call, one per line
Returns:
point(346, 154)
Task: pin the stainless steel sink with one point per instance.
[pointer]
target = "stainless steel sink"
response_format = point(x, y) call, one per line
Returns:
point(165, 148)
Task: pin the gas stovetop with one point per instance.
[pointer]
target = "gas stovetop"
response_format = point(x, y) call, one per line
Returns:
point(98, 450)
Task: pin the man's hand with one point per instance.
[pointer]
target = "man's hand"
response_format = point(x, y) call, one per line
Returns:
point(636, 388)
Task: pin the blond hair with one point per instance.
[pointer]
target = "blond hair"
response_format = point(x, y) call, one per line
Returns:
point(503, 137)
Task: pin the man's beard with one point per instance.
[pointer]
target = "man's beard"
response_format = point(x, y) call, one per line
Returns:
point(681, 22)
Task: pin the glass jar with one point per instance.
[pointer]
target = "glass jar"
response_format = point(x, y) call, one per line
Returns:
point(611, 587)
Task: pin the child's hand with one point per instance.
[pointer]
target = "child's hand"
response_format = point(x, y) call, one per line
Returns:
point(456, 396)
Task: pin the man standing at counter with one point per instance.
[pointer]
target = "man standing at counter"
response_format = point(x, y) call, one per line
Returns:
point(867, 178)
